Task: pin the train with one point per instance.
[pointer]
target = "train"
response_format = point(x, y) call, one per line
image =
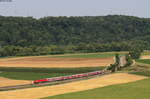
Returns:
point(69, 77)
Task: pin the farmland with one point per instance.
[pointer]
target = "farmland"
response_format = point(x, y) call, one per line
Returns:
point(144, 61)
point(144, 73)
point(11, 82)
point(106, 80)
point(60, 61)
point(146, 53)
point(34, 49)
point(145, 57)
point(37, 67)
point(38, 73)
point(90, 55)
point(134, 90)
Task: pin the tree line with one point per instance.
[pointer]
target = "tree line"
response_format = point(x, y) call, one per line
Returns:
point(24, 36)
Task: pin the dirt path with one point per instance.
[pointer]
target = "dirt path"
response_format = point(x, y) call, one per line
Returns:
point(122, 61)
point(9, 82)
point(48, 62)
point(36, 93)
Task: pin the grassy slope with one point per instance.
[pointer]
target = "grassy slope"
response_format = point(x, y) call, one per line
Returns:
point(145, 61)
point(143, 69)
point(134, 90)
point(38, 73)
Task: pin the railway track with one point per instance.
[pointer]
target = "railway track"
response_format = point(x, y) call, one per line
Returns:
point(47, 84)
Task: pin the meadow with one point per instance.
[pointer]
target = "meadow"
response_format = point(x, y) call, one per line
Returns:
point(146, 53)
point(144, 61)
point(89, 55)
point(38, 73)
point(78, 55)
point(133, 90)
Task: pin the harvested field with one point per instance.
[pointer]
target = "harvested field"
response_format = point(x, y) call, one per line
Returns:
point(145, 57)
point(36, 93)
point(49, 62)
point(9, 82)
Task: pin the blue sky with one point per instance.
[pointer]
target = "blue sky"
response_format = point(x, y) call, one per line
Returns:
point(42, 8)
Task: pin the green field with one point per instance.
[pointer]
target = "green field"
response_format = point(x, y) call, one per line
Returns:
point(38, 73)
point(143, 73)
point(80, 55)
point(134, 90)
point(90, 55)
point(146, 53)
point(144, 61)
point(30, 75)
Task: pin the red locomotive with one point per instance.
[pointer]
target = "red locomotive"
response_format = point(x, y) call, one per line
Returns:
point(68, 77)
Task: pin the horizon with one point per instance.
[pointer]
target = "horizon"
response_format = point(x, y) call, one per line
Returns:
point(74, 16)
point(40, 9)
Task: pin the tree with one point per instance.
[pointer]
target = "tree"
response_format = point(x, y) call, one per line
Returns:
point(128, 60)
point(135, 53)
point(114, 67)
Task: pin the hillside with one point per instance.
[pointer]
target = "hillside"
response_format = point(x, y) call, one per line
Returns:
point(51, 35)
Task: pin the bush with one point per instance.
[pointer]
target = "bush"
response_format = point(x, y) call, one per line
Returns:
point(114, 67)
point(135, 53)
point(128, 60)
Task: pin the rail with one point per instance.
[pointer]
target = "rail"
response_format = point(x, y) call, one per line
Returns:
point(49, 83)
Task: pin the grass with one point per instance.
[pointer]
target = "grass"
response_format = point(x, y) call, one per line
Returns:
point(30, 75)
point(144, 61)
point(87, 56)
point(143, 73)
point(134, 90)
point(146, 53)
point(38, 73)
point(79, 55)
point(90, 55)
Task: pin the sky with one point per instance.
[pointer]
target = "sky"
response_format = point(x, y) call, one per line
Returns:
point(43, 8)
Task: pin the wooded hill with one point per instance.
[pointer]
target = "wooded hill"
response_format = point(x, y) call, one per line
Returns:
point(71, 34)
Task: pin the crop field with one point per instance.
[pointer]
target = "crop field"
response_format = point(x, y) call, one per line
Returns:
point(144, 61)
point(60, 61)
point(90, 55)
point(11, 82)
point(36, 93)
point(144, 73)
point(145, 57)
point(134, 90)
point(146, 53)
point(38, 73)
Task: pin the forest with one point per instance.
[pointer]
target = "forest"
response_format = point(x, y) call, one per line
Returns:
point(23, 36)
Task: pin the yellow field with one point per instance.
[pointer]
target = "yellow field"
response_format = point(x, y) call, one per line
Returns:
point(36, 93)
point(10, 82)
point(145, 57)
point(48, 62)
